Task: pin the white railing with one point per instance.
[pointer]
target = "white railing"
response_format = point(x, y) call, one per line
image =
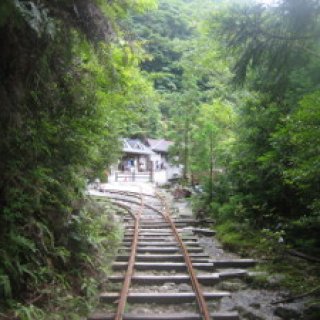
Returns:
point(126, 176)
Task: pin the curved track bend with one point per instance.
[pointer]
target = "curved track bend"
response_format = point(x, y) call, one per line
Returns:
point(162, 267)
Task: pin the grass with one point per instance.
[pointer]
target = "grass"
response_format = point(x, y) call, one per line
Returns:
point(236, 239)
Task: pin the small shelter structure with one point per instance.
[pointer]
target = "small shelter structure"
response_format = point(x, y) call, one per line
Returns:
point(136, 156)
point(146, 159)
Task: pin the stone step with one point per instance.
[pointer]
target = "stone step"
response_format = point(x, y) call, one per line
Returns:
point(168, 316)
point(152, 233)
point(160, 244)
point(234, 263)
point(143, 238)
point(204, 232)
point(224, 275)
point(157, 230)
point(160, 221)
point(162, 250)
point(117, 266)
point(157, 233)
point(157, 280)
point(165, 257)
point(157, 220)
point(162, 298)
point(147, 227)
point(217, 264)
point(151, 225)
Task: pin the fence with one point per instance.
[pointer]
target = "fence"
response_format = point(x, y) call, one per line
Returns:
point(134, 176)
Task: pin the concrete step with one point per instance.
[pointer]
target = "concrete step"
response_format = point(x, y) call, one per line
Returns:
point(158, 233)
point(150, 238)
point(162, 298)
point(156, 230)
point(164, 257)
point(147, 227)
point(168, 316)
point(117, 266)
point(160, 243)
point(234, 263)
point(162, 250)
point(204, 232)
point(160, 279)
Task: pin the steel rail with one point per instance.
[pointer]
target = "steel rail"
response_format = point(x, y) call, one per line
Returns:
point(194, 280)
point(137, 203)
point(129, 193)
point(129, 273)
point(122, 206)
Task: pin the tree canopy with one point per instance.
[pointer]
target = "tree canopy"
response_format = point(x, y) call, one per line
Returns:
point(235, 84)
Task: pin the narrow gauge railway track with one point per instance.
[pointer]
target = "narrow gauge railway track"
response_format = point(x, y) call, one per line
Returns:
point(157, 257)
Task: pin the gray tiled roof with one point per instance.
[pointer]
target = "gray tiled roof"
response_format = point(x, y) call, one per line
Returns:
point(135, 146)
point(159, 145)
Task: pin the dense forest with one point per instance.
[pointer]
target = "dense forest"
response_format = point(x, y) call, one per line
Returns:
point(236, 86)
point(239, 86)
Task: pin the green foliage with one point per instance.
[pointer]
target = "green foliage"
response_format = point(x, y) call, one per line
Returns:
point(71, 84)
point(302, 127)
point(236, 237)
point(24, 312)
point(274, 41)
point(212, 134)
point(6, 10)
point(36, 16)
point(257, 141)
point(65, 103)
point(298, 276)
point(162, 32)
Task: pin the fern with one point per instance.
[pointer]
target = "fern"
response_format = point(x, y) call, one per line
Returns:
point(5, 286)
point(22, 242)
point(29, 312)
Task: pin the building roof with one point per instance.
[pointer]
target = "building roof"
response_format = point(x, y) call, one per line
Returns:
point(135, 146)
point(159, 145)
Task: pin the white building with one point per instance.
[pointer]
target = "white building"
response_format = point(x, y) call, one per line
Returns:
point(145, 160)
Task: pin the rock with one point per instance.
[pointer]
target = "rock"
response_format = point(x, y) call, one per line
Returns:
point(232, 285)
point(287, 313)
point(184, 287)
point(247, 315)
point(275, 279)
point(165, 288)
point(169, 284)
point(255, 305)
point(180, 193)
point(257, 274)
point(312, 312)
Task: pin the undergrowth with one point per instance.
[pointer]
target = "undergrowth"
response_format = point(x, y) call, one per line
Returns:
point(269, 246)
point(68, 289)
point(296, 275)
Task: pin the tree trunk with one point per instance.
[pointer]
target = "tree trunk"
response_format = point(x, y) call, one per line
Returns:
point(211, 169)
point(186, 150)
